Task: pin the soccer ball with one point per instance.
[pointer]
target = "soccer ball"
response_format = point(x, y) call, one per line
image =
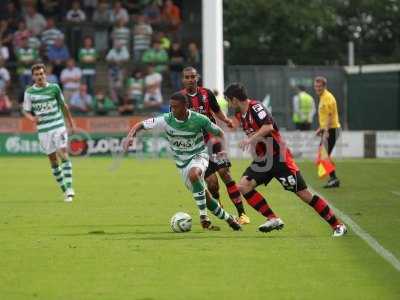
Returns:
point(181, 222)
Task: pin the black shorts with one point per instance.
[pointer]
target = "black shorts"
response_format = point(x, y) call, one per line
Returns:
point(215, 165)
point(290, 180)
point(334, 134)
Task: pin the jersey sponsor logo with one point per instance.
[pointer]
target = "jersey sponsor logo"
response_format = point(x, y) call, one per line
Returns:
point(42, 107)
point(261, 113)
point(258, 107)
point(183, 143)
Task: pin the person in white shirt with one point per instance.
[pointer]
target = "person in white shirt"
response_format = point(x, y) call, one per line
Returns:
point(116, 58)
point(4, 53)
point(4, 77)
point(152, 85)
point(118, 54)
point(76, 14)
point(119, 13)
point(75, 17)
point(70, 77)
point(34, 20)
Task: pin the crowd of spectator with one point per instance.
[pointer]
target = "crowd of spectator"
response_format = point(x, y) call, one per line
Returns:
point(139, 41)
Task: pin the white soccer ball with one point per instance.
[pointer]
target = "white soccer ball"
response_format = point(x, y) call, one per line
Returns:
point(181, 222)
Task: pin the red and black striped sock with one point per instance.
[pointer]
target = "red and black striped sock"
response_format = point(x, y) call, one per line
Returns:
point(235, 196)
point(321, 206)
point(257, 201)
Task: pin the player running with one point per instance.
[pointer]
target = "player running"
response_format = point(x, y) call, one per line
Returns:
point(44, 105)
point(203, 101)
point(272, 160)
point(184, 131)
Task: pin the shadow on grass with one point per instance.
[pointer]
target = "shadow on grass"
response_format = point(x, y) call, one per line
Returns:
point(193, 235)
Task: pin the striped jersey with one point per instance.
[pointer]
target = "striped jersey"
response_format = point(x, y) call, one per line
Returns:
point(185, 137)
point(45, 103)
point(122, 35)
point(87, 60)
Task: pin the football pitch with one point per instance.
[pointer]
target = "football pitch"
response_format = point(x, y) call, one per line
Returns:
point(114, 240)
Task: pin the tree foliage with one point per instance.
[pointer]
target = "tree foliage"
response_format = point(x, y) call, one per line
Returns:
point(311, 31)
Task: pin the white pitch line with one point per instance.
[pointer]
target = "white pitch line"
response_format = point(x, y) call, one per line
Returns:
point(374, 244)
point(396, 193)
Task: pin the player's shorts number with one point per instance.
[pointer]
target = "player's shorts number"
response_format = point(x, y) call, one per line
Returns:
point(289, 182)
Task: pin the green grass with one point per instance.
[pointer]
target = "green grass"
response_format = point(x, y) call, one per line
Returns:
point(114, 240)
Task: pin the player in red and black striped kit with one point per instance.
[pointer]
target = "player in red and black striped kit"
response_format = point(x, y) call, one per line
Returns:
point(203, 101)
point(272, 159)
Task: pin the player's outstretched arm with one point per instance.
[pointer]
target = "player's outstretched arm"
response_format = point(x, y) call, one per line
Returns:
point(135, 129)
point(131, 134)
point(153, 123)
point(218, 113)
point(222, 117)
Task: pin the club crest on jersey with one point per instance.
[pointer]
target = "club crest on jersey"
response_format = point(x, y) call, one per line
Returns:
point(149, 122)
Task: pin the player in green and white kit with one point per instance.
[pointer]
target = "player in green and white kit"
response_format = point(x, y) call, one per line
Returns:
point(44, 105)
point(184, 131)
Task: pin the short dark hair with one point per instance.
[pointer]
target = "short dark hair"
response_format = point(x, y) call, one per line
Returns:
point(178, 96)
point(189, 68)
point(236, 90)
point(38, 67)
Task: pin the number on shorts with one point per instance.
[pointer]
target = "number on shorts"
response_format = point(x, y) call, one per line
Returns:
point(289, 181)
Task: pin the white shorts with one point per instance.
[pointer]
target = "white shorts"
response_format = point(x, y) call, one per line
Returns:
point(53, 140)
point(199, 161)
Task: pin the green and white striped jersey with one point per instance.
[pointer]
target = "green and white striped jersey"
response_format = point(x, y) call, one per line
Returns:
point(45, 103)
point(185, 138)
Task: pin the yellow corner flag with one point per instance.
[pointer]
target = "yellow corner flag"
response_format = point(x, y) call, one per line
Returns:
point(323, 162)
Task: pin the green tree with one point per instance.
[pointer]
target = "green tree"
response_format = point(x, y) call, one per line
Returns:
point(311, 32)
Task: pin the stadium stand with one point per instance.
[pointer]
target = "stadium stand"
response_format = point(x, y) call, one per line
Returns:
point(107, 46)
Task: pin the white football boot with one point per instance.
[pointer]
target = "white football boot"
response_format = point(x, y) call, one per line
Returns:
point(340, 230)
point(69, 195)
point(271, 224)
